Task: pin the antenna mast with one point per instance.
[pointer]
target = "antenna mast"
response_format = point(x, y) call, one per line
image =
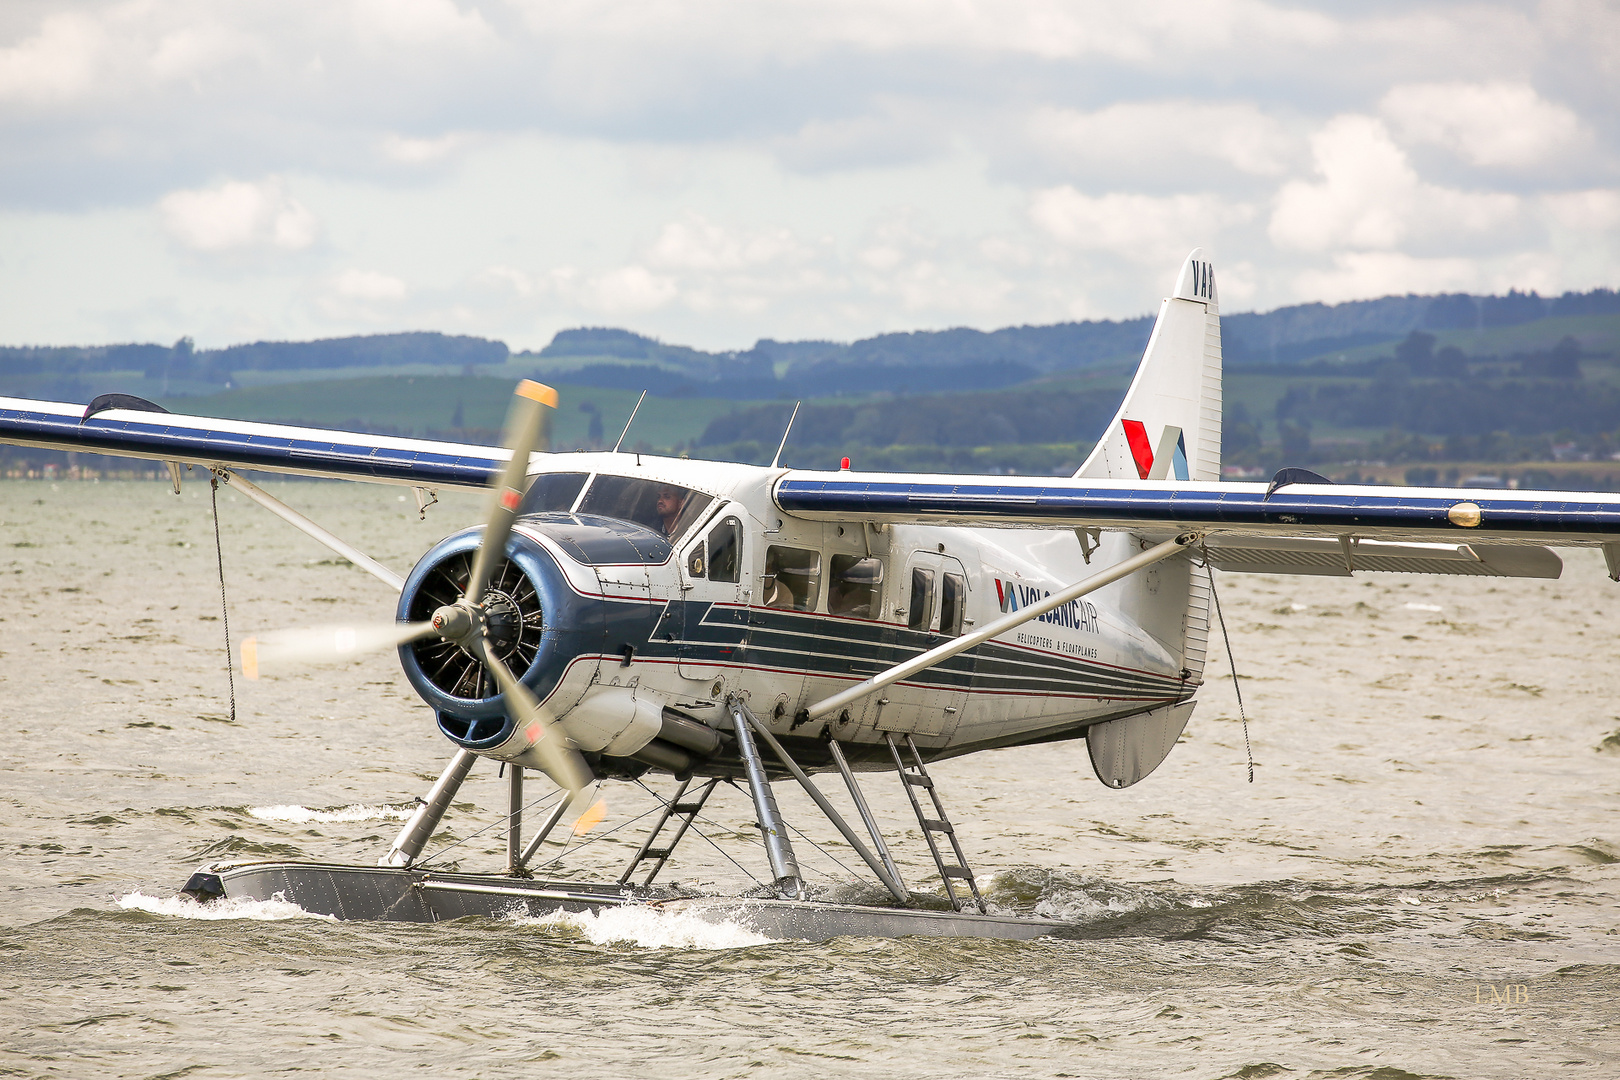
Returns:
point(630, 421)
point(783, 443)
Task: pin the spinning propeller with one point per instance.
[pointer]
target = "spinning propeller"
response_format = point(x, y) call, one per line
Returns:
point(464, 623)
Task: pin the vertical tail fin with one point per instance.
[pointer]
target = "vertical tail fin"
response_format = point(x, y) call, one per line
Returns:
point(1169, 427)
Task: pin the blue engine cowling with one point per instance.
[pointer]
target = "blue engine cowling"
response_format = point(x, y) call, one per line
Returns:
point(537, 625)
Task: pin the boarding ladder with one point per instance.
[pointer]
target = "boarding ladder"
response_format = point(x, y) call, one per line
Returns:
point(685, 812)
point(916, 776)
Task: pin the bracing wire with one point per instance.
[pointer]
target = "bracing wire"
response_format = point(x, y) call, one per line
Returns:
point(535, 805)
point(1232, 661)
point(704, 836)
point(224, 607)
point(825, 852)
point(599, 836)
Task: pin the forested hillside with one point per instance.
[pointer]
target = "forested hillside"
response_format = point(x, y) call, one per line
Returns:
point(1372, 387)
point(957, 359)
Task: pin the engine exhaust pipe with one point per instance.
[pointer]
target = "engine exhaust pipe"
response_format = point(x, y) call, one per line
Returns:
point(699, 738)
point(661, 755)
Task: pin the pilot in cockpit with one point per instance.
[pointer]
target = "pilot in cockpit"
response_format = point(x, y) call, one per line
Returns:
point(671, 501)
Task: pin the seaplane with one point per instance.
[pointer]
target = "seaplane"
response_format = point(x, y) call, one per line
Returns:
point(622, 614)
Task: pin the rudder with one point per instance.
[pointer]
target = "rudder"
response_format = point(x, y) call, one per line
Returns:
point(1169, 425)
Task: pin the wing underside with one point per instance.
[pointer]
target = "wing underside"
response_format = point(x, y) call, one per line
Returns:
point(1348, 555)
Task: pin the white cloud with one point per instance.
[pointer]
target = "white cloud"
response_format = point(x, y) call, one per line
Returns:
point(627, 290)
point(1052, 29)
point(1597, 210)
point(355, 284)
point(1361, 274)
point(238, 216)
point(697, 243)
point(196, 48)
point(1490, 124)
point(1161, 135)
point(889, 130)
point(59, 62)
point(1143, 228)
point(413, 151)
point(418, 22)
point(1369, 196)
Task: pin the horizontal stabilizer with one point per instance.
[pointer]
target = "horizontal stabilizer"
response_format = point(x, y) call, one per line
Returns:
point(1341, 557)
point(1124, 751)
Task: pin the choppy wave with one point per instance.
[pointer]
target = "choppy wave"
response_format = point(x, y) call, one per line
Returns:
point(1057, 894)
point(299, 815)
point(184, 907)
point(650, 928)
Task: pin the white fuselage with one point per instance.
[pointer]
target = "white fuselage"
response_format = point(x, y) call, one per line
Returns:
point(793, 629)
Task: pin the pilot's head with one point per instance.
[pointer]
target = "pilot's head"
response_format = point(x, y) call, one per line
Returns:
point(671, 500)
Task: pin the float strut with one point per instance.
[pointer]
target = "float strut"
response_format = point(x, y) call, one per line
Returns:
point(880, 869)
point(549, 824)
point(414, 836)
point(514, 818)
point(784, 867)
point(866, 814)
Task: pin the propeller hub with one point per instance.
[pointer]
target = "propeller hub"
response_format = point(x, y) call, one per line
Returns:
point(454, 622)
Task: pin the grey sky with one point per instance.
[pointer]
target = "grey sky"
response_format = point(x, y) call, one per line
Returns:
point(714, 172)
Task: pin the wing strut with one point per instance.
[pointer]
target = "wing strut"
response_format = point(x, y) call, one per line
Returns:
point(309, 528)
point(924, 661)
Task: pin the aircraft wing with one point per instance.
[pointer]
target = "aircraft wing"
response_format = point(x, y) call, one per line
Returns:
point(205, 441)
point(1228, 514)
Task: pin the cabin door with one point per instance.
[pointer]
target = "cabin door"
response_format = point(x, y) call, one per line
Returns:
point(711, 617)
point(929, 608)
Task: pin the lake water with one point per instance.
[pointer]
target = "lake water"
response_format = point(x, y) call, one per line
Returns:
point(1421, 881)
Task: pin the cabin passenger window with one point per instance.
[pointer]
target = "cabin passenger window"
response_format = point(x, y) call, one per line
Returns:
point(792, 578)
point(854, 586)
point(921, 611)
point(725, 542)
point(952, 604)
point(552, 492)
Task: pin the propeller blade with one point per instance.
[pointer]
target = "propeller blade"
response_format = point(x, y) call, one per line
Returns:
point(284, 647)
point(526, 430)
point(560, 761)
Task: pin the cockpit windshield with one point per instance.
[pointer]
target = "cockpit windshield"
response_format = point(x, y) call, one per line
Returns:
point(552, 491)
point(668, 509)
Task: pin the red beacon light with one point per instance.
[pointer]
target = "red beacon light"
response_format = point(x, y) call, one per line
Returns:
point(843, 466)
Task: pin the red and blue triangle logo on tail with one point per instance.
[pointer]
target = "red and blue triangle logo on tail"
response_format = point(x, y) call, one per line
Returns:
point(1171, 454)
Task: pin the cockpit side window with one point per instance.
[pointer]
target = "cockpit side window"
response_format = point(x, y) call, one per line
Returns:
point(668, 509)
point(725, 544)
point(792, 578)
point(551, 492)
